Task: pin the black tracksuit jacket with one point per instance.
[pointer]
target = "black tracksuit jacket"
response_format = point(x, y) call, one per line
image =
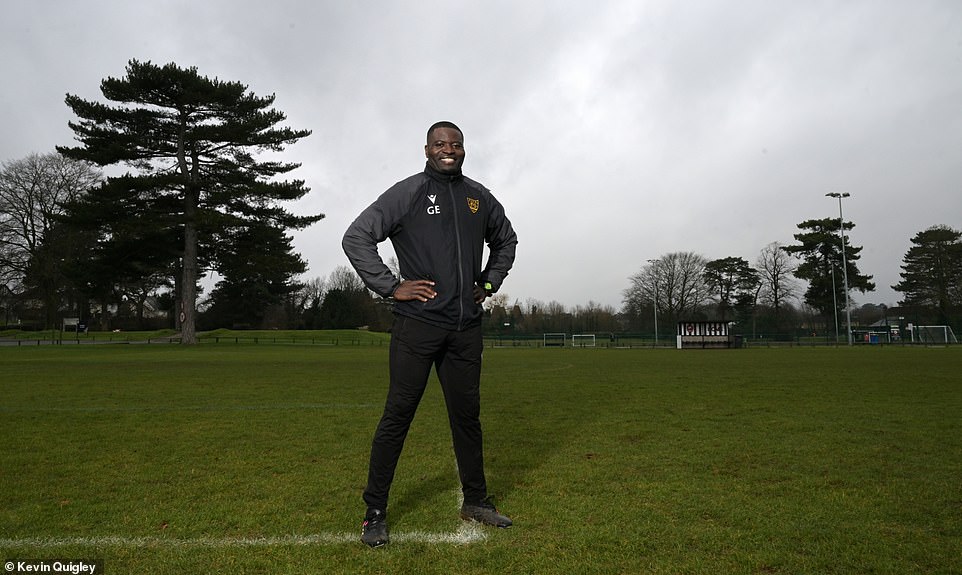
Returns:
point(438, 225)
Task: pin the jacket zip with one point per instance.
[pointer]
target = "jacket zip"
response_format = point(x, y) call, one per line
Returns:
point(457, 243)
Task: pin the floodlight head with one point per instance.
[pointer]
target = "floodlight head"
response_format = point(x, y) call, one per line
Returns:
point(838, 195)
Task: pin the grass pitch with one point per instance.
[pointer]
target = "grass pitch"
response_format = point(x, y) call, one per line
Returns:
point(224, 458)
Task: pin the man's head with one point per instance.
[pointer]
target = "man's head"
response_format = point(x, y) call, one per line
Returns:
point(445, 148)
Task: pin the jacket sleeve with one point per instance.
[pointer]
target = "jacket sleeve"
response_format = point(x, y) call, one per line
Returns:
point(501, 241)
point(374, 225)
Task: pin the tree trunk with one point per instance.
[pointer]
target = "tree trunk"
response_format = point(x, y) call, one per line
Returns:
point(188, 296)
point(188, 303)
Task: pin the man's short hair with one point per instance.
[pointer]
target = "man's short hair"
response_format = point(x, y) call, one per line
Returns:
point(437, 125)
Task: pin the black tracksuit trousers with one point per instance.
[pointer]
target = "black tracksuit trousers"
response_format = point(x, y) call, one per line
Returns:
point(416, 347)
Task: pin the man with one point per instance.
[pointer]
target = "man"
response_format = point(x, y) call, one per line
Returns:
point(438, 221)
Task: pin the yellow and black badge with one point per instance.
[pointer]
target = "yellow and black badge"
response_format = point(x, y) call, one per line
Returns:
point(473, 205)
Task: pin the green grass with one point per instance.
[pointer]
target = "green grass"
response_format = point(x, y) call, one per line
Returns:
point(805, 460)
point(320, 337)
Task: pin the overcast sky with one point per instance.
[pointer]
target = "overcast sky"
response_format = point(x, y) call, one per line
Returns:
point(613, 131)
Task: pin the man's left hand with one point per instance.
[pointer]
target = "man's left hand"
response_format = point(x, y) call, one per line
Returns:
point(480, 294)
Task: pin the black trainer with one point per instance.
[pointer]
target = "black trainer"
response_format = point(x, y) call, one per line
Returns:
point(374, 528)
point(486, 513)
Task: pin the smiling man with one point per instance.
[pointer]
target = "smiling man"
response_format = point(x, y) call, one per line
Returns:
point(439, 222)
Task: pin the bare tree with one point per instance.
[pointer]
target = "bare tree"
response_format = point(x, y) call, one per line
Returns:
point(594, 318)
point(313, 292)
point(394, 266)
point(498, 300)
point(345, 279)
point(776, 268)
point(556, 317)
point(676, 282)
point(33, 191)
point(304, 301)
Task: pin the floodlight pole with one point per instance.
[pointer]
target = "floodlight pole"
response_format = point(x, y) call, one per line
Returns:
point(654, 264)
point(835, 303)
point(841, 231)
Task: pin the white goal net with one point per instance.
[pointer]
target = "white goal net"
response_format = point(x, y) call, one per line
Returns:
point(933, 334)
point(582, 340)
point(555, 340)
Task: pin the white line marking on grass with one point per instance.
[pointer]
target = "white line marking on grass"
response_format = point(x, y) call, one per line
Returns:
point(466, 534)
point(202, 408)
point(208, 542)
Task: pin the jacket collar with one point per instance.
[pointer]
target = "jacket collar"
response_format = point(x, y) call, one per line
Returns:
point(438, 176)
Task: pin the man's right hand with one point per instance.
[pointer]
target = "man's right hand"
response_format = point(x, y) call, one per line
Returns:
point(421, 290)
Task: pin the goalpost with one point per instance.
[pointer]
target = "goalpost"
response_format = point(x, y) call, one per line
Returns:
point(555, 340)
point(934, 334)
point(582, 340)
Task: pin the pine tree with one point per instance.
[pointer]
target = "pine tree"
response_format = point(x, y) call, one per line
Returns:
point(730, 279)
point(256, 267)
point(191, 141)
point(820, 250)
point(932, 271)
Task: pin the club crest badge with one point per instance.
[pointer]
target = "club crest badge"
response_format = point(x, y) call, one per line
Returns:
point(473, 205)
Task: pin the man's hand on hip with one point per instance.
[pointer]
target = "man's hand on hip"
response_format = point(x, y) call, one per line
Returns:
point(480, 294)
point(421, 290)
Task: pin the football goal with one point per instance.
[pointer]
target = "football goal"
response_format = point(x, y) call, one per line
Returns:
point(934, 334)
point(582, 340)
point(555, 340)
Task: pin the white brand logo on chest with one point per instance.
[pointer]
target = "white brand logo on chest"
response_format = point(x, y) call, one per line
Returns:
point(433, 209)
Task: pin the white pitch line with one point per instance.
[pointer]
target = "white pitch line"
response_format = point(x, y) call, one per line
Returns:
point(466, 534)
point(150, 409)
